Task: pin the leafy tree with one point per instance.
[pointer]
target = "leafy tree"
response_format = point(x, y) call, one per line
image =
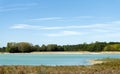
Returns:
point(60, 48)
point(24, 47)
point(2, 49)
point(36, 48)
point(14, 47)
point(109, 48)
point(51, 47)
point(43, 48)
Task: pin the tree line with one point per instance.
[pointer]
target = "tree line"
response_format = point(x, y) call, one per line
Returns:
point(25, 47)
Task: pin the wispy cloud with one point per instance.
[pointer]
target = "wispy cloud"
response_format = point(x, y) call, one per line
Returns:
point(66, 19)
point(23, 26)
point(84, 17)
point(105, 28)
point(23, 5)
point(16, 7)
point(64, 33)
point(92, 17)
point(11, 9)
point(115, 22)
point(101, 30)
point(26, 26)
point(47, 19)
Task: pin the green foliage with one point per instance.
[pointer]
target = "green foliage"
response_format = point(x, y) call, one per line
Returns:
point(3, 49)
point(24, 47)
point(43, 48)
point(113, 47)
point(18, 47)
point(52, 47)
point(92, 47)
point(36, 48)
point(97, 46)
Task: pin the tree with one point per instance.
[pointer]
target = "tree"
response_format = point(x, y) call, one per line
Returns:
point(18, 47)
point(36, 48)
point(24, 47)
point(52, 47)
point(109, 48)
point(12, 47)
point(60, 48)
point(2, 49)
point(43, 48)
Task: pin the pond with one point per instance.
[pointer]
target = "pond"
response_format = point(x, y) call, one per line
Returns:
point(52, 59)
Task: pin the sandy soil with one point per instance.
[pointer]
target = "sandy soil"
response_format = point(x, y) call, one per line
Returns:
point(95, 62)
point(68, 52)
point(76, 52)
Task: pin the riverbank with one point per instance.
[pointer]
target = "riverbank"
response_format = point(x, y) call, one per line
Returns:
point(69, 52)
point(93, 62)
point(75, 52)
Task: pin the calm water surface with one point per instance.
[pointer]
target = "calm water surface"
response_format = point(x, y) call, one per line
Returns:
point(52, 59)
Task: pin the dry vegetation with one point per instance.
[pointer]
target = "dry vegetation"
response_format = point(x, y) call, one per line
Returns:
point(112, 66)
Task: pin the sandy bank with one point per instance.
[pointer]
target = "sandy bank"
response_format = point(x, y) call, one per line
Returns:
point(85, 52)
point(67, 52)
point(96, 62)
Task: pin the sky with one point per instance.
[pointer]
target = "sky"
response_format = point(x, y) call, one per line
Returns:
point(59, 22)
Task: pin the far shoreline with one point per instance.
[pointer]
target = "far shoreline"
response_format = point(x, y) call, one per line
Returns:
point(67, 52)
point(76, 52)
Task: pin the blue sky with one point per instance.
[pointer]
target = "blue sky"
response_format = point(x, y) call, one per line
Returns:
point(59, 21)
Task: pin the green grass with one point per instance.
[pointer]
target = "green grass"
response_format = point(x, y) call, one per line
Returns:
point(111, 66)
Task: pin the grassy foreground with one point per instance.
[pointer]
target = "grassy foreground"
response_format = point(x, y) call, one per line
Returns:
point(110, 66)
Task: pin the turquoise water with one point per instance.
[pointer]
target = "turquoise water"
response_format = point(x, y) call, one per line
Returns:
point(52, 59)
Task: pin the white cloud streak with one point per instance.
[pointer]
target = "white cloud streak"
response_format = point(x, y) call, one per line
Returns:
point(26, 26)
point(64, 33)
point(92, 17)
point(107, 28)
point(15, 7)
point(47, 19)
point(84, 17)
point(11, 9)
point(65, 19)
